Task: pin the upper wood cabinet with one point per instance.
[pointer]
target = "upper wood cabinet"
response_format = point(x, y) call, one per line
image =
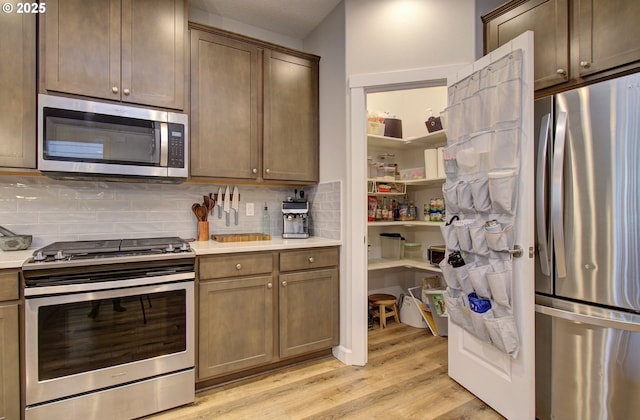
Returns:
point(124, 50)
point(575, 41)
point(18, 87)
point(254, 110)
point(549, 20)
point(290, 118)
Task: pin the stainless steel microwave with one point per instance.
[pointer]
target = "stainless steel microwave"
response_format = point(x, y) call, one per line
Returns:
point(82, 139)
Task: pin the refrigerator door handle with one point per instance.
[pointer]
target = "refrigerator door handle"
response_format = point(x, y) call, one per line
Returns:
point(589, 319)
point(542, 228)
point(557, 195)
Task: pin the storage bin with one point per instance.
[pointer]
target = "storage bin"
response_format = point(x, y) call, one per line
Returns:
point(411, 314)
point(413, 251)
point(392, 245)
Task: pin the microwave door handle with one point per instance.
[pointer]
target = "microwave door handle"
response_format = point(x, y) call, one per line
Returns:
point(164, 144)
point(542, 227)
point(557, 199)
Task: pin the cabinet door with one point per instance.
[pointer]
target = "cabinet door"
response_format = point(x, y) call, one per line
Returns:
point(608, 34)
point(17, 84)
point(224, 107)
point(235, 325)
point(153, 61)
point(309, 311)
point(9, 366)
point(81, 42)
point(290, 150)
point(549, 20)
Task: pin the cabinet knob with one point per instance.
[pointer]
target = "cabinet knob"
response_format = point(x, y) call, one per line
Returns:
point(312, 260)
point(284, 283)
point(268, 170)
point(254, 170)
point(561, 71)
point(585, 64)
point(126, 92)
point(114, 89)
point(238, 266)
point(269, 285)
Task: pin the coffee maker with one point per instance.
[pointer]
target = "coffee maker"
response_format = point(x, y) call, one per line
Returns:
point(295, 217)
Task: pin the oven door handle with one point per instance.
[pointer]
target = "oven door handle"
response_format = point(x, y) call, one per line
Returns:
point(106, 285)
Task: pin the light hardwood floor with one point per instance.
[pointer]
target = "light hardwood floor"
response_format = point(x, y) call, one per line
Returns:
point(405, 378)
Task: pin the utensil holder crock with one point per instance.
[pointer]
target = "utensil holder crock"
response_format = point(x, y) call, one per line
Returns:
point(203, 231)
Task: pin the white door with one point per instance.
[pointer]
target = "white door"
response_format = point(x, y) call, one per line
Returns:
point(504, 381)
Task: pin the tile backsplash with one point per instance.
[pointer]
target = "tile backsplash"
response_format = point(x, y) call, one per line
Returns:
point(52, 210)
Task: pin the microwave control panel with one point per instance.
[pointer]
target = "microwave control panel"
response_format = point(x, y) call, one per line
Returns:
point(176, 153)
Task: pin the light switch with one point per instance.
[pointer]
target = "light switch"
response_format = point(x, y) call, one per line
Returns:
point(250, 209)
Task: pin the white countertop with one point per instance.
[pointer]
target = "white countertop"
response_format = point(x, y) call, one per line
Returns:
point(213, 247)
point(15, 259)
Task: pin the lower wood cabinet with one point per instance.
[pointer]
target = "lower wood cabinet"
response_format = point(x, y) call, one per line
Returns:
point(9, 346)
point(256, 309)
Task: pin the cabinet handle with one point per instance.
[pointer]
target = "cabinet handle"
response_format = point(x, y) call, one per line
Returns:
point(311, 260)
point(284, 284)
point(238, 266)
point(126, 92)
point(268, 170)
point(254, 170)
point(585, 64)
point(114, 89)
point(561, 71)
point(269, 285)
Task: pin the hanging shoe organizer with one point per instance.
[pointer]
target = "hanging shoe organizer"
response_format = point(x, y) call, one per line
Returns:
point(482, 165)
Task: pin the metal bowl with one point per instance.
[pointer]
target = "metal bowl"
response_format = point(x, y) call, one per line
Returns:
point(15, 243)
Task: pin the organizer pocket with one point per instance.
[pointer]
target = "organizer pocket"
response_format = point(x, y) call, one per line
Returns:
point(467, 157)
point(465, 198)
point(479, 328)
point(503, 334)
point(508, 107)
point(462, 274)
point(478, 277)
point(463, 234)
point(501, 241)
point(505, 149)
point(458, 312)
point(449, 157)
point(454, 114)
point(478, 239)
point(473, 114)
point(450, 192)
point(480, 194)
point(449, 274)
point(450, 237)
point(502, 191)
point(500, 287)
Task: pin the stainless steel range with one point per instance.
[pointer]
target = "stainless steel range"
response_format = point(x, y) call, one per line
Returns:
point(109, 328)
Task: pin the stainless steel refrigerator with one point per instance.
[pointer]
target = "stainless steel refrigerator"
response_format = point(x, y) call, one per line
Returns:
point(588, 252)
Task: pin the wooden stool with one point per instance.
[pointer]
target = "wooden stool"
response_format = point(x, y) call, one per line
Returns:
point(382, 300)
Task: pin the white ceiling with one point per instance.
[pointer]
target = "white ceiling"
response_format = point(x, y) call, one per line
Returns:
point(294, 18)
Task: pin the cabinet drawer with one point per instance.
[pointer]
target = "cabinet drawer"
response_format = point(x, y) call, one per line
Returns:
point(9, 285)
point(308, 258)
point(232, 265)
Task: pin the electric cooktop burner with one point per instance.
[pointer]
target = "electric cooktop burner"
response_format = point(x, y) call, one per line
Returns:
point(112, 248)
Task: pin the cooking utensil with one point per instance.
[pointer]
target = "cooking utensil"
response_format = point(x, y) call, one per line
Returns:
point(219, 202)
point(226, 204)
point(235, 203)
point(213, 202)
point(208, 203)
point(12, 242)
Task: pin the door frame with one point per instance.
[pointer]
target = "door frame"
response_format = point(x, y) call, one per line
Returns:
point(355, 351)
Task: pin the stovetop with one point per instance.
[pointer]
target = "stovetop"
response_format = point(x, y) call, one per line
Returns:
point(104, 251)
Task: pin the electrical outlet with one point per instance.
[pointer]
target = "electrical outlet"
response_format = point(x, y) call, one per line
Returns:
point(250, 209)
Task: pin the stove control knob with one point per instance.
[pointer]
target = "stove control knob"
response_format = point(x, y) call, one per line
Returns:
point(39, 256)
point(184, 247)
point(59, 256)
point(170, 248)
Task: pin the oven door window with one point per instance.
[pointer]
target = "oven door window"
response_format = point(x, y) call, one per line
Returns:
point(95, 138)
point(84, 336)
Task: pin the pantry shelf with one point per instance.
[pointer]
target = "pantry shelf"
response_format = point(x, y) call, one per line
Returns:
point(407, 223)
point(428, 141)
point(383, 264)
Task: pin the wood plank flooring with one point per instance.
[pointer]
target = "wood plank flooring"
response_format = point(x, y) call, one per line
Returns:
point(405, 378)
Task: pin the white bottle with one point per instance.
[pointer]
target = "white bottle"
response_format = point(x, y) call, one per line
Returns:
point(266, 221)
